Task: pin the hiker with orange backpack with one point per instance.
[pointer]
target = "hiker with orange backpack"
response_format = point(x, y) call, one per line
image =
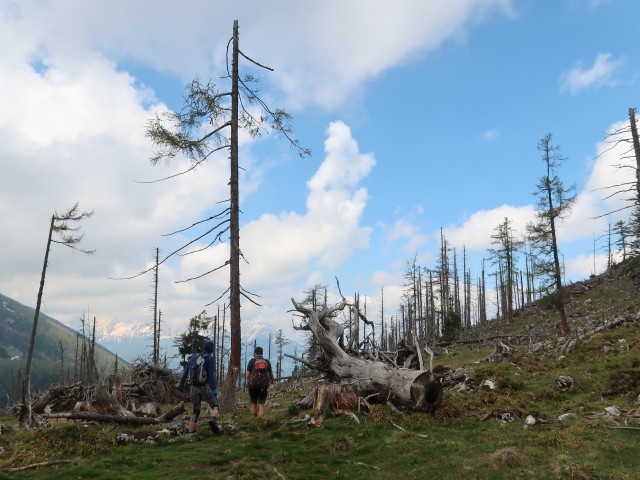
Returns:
point(258, 378)
point(200, 369)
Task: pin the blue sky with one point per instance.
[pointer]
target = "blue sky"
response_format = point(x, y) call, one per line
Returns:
point(421, 115)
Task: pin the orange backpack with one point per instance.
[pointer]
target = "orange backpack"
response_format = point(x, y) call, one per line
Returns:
point(259, 377)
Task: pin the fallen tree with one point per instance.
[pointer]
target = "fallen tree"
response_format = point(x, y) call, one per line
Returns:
point(372, 381)
point(122, 419)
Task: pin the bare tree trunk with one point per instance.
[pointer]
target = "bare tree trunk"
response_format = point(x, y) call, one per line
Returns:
point(636, 148)
point(234, 260)
point(26, 382)
point(156, 336)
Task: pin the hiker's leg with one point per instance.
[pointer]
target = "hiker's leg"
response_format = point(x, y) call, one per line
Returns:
point(212, 400)
point(196, 400)
point(253, 399)
point(262, 399)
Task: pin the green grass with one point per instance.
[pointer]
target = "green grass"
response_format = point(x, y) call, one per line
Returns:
point(456, 447)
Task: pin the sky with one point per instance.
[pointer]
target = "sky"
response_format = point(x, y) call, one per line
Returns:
point(421, 115)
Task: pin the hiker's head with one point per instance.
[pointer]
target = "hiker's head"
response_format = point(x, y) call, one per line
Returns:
point(208, 347)
point(258, 350)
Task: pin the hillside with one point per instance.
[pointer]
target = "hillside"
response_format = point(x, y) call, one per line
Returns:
point(550, 408)
point(55, 349)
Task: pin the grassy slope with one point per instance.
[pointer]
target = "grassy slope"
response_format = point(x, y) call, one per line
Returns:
point(459, 444)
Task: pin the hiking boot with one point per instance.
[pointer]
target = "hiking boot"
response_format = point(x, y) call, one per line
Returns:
point(214, 427)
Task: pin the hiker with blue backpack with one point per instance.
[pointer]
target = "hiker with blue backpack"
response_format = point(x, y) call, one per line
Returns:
point(258, 378)
point(200, 369)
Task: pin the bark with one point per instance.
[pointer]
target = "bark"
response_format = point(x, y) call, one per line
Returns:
point(26, 386)
point(412, 389)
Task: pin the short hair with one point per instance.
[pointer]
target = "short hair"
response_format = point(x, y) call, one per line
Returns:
point(258, 350)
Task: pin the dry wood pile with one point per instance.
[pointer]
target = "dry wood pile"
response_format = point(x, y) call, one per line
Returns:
point(133, 398)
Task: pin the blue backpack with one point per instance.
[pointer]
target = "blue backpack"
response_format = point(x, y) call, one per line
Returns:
point(198, 370)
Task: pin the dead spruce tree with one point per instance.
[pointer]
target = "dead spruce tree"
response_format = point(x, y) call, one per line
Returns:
point(554, 203)
point(67, 236)
point(353, 382)
point(209, 122)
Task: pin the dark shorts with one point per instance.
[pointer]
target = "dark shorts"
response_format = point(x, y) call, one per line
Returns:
point(200, 394)
point(258, 395)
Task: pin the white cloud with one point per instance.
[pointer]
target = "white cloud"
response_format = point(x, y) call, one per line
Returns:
point(601, 74)
point(318, 55)
point(476, 231)
point(583, 265)
point(283, 247)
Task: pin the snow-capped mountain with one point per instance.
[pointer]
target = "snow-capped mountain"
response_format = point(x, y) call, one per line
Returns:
point(132, 341)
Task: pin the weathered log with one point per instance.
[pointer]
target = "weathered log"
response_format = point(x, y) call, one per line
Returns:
point(97, 417)
point(174, 412)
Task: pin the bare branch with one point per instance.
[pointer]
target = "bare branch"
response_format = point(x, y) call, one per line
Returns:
point(253, 61)
point(204, 274)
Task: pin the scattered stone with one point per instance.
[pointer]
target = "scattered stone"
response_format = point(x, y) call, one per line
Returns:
point(506, 417)
point(3, 450)
point(177, 428)
point(3, 428)
point(613, 411)
point(490, 384)
point(460, 387)
point(566, 416)
point(530, 420)
point(607, 349)
point(564, 383)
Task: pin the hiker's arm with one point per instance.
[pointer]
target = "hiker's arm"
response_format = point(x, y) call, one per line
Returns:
point(185, 372)
point(271, 373)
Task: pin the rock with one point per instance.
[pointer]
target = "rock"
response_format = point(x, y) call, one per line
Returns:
point(490, 384)
point(566, 416)
point(607, 349)
point(148, 409)
point(177, 428)
point(530, 420)
point(564, 383)
point(613, 411)
point(506, 417)
point(3, 428)
point(3, 450)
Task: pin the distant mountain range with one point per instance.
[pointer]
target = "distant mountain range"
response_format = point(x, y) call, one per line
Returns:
point(54, 356)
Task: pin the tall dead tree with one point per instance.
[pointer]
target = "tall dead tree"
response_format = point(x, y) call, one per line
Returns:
point(220, 115)
point(156, 325)
point(60, 225)
point(554, 203)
